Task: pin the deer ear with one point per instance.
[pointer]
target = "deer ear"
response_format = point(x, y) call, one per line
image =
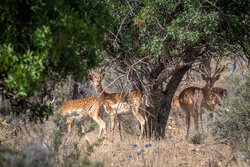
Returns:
point(217, 77)
point(90, 77)
point(203, 77)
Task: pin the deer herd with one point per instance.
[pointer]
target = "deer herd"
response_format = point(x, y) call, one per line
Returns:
point(192, 101)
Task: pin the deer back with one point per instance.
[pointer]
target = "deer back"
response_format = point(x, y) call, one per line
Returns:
point(80, 106)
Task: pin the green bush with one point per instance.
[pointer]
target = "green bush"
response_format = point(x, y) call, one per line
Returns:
point(233, 121)
point(31, 155)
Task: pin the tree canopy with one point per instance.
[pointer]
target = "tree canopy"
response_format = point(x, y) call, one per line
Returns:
point(49, 39)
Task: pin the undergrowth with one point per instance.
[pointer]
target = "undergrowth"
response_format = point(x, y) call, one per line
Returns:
point(232, 125)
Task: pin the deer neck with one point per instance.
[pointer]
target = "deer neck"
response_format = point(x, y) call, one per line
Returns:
point(101, 92)
point(206, 89)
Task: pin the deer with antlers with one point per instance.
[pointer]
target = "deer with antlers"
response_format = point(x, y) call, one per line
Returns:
point(213, 99)
point(192, 99)
point(117, 104)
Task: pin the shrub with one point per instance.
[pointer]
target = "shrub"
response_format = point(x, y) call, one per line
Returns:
point(233, 121)
point(197, 138)
point(31, 155)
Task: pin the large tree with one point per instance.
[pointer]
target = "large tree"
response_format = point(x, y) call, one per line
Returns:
point(47, 40)
point(158, 41)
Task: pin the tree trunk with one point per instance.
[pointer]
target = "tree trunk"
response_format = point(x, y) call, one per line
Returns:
point(76, 93)
point(159, 123)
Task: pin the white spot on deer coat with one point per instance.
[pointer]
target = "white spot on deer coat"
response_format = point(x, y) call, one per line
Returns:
point(122, 108)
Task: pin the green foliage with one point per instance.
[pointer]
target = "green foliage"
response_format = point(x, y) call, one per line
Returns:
point(142, 25)
point(197, 138)
point(58, 132)
point(87, 163)
point(76, 159)
point(25, 157)
point(46, 41)
point(234, 22)
point(84, 161)
point(90, 147)
point(233, 122)
point(41, 38)
point(10, 157)
point(92, 127)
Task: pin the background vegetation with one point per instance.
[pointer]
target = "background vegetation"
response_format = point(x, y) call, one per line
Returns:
point(47, 47)
point(233, 124)
point(46, 42)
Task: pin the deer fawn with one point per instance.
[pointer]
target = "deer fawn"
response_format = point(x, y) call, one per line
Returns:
point(117, 104)
point(83, 109)
point(192, 99)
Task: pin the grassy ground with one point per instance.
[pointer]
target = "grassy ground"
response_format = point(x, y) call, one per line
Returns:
point(174, 150)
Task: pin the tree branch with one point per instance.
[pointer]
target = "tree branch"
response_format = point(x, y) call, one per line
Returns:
point(165, 50)
point(165, 74)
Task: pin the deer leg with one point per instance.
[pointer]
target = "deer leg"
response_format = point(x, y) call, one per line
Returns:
point(143, 113)
point(83, 131)
point(196, 119)
point(102, 125)
point(198, 98)
point(147, 126)
point(140, 118)
point(187, 118)
point(70, 122)
point(201, 112)
point(196, 122)
point(194, 114)
point(112, 121)
point(119, 126)
point(82, 126)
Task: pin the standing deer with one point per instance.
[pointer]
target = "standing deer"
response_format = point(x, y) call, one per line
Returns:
point(117, 104)
point(192, 99)
point(85, 109)
point(213, 99)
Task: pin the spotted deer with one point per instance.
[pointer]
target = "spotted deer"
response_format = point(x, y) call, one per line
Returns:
point(117, 104)
point(193, 99)
point(83, 109)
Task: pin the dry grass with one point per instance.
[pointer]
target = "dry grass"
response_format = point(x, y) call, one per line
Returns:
point(173, 151)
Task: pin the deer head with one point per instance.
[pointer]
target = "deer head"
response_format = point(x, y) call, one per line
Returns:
point(96, 79)
point(206, 73)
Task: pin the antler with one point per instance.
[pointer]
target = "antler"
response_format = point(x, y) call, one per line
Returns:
point(206, 69)
point(218, 70)
point(96, 72)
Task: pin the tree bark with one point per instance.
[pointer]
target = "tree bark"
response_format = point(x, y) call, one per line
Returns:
point(76, 93)
point(159, 123)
